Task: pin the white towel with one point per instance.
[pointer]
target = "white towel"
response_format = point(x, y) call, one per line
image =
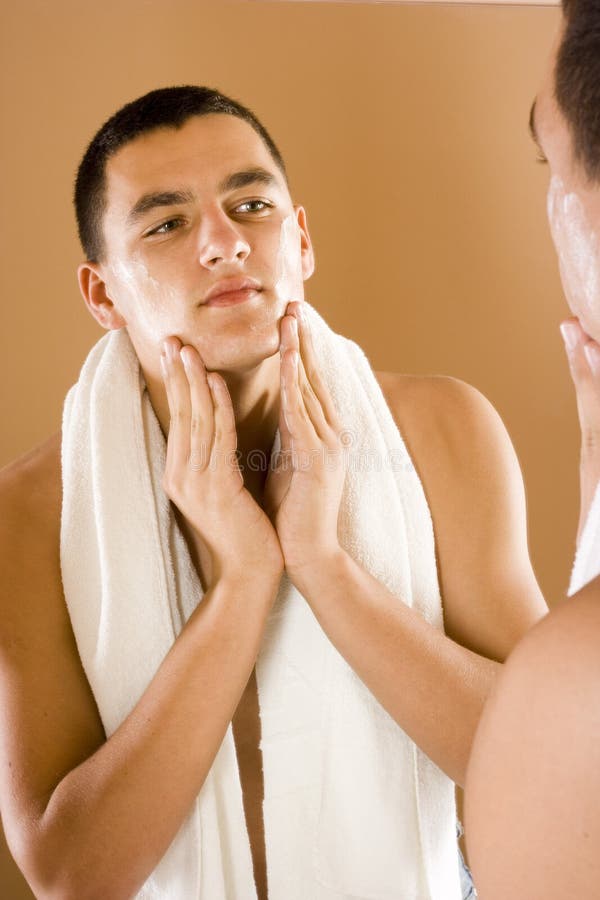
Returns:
point(353, 810)
point(587, 559)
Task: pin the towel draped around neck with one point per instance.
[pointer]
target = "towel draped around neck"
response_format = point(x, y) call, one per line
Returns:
point(353, 810)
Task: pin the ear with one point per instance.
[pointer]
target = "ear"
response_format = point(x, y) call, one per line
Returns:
point(307, 254)
point(94, 292)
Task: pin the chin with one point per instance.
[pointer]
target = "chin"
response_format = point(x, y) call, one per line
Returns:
point(241, 354)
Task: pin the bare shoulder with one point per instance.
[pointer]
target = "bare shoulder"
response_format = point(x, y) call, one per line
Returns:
point(534, 774)
point(559, 658)
point(550, 687)
point(463, 454)
point(474, 488)
point(30, 582)
point(48, 718)
point(33, 482)
point(451, 412)
point(553, 674)
point(30, 510)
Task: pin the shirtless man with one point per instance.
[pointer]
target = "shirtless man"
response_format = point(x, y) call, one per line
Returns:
point(74, 803)
point(532, 811)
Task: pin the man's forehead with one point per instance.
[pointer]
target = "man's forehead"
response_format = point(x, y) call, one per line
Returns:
point(201, 154)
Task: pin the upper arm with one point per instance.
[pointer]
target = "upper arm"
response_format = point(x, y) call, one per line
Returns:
point(474, 487)
point(49, 721)
point(532, 812)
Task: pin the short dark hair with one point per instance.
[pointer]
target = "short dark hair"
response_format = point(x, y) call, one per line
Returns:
point(577, 81)
point(169, 107)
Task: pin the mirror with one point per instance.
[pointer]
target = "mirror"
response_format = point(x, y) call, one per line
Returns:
point(404, 128)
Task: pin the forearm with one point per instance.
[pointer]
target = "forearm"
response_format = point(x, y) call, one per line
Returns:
point(145, 778)
point(432, 687)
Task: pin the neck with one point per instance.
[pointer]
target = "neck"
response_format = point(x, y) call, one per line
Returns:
point(255, 397)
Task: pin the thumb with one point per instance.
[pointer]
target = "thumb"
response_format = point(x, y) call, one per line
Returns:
point(583, 354)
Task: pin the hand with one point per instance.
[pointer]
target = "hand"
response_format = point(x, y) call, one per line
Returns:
point(202, 476)
point(584, 363)
point(303, 492)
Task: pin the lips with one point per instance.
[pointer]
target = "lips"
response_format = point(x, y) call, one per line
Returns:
point(231, 291)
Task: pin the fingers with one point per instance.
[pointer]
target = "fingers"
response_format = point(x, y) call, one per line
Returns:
point(300, 430)
point(286, 382)
point(301, 399)
point(583, 354)
point(311, 367)
point(225, 440)
point(202, 419)
point(584, 362)
point(201, 423)
point(305, 399)
point(178, 396)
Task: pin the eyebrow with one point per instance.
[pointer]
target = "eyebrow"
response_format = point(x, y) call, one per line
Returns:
point(155, 199)
point(248, 176)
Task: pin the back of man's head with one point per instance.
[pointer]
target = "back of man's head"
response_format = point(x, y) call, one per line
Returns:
point(577, 81)
point(169, 107)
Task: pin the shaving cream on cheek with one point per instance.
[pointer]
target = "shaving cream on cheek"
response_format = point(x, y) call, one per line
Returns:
point(288, 274)
point(576, 243)
point(153, 303)
point(289, 263)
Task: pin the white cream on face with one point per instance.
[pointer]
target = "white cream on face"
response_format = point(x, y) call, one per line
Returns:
point(158, 310)
point(289, 265)
point(288, 274)
point(576, 243)
point(153, 301)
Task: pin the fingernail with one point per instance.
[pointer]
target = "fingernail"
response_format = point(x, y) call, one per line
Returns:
point(570, 336)
point(592, 354)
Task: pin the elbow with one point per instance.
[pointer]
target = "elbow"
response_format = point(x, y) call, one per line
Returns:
point(39, 868)
point(55, 867)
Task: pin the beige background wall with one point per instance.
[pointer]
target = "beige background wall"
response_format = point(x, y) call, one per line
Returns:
point(405, 133)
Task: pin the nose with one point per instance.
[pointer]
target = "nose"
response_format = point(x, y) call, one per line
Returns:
point(221, 242)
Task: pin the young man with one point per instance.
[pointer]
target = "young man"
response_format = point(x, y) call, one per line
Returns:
point(310, 615)
point(533, 820)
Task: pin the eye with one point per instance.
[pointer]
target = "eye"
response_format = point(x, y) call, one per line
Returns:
point(166, 227)
point(253, 206)
point(541, 159)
